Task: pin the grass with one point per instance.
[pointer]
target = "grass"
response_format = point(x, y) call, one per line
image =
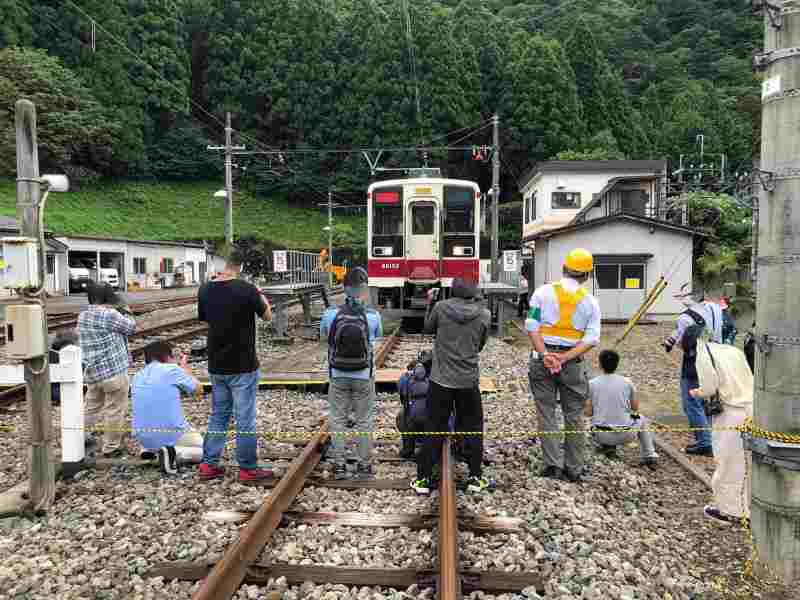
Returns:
point(177, 211)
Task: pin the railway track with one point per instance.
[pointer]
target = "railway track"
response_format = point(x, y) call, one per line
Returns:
point(59, 321)
point(239, 565)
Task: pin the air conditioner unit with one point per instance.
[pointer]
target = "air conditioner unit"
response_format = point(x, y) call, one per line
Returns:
point(463, 251)
point(383, 251)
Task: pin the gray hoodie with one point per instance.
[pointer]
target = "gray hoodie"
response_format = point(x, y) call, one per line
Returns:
point(461, 326)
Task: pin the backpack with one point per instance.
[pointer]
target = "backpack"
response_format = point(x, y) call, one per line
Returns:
point(692, 334)
point(750, 351)
point(348, 340)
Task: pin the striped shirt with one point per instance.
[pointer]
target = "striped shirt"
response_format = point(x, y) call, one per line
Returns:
point(103, 334)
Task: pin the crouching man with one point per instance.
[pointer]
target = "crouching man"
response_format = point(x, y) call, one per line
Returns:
point(414, 387)
point(158, 421)
point(614, 409)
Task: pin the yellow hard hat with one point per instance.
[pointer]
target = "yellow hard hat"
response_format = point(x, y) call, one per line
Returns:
point(579, 261)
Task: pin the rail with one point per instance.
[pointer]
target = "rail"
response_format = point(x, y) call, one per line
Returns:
point(229, 573)
point(449, 582)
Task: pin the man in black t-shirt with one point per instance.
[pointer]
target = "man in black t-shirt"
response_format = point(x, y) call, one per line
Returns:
point(229, 305)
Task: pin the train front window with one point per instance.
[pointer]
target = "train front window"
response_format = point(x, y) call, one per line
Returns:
point(423, 217)
point(459, 206)
point(387, 220)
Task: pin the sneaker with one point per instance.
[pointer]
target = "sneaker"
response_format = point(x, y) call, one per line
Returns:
point(115, 453)
point(340, 472)
point(421, 486)
point(253, 476)
point(168, 460)
point(551, 472)
point(650, 462)
point(700, 451)
point(477, 485)
point(715, 515)
point(208, 472)
point(148, 455)
point(364, 471)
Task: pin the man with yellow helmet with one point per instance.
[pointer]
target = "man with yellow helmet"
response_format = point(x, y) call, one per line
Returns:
point(563, 324)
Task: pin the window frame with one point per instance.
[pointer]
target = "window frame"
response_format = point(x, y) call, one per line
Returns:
point(167, 264)
point(423, 205)
point(139, 261)
point(620, 279)
point(445, 208)
point(566, 194)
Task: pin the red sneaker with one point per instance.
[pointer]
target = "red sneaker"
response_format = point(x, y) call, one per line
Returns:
point(255, 475)
point(208, 472)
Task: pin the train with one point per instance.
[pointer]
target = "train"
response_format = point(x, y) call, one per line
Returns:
point(424, 230)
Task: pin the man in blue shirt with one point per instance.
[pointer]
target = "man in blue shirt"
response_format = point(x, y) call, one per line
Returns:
point(158, 421)
point(351, 331)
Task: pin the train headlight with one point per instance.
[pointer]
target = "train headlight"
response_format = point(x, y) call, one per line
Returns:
point(463, 251)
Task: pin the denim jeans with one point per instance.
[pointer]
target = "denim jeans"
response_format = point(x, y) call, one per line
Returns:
point(232, 395)
point(695, 412)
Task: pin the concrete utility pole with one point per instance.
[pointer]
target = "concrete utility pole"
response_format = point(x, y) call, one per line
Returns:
point(229, 149)
point(775, 484)
point(330, 238)
point(496, 199)
point(37, 370)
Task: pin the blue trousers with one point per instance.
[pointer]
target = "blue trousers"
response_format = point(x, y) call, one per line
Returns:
point(695, 412)
point(232, 395)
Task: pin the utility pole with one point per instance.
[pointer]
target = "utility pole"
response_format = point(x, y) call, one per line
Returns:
point(775, 480)
point(37, 370)
point(496, 199)
point(229, 149)
point(330, 238)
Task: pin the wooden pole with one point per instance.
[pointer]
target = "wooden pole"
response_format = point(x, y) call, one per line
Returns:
point(37, 375)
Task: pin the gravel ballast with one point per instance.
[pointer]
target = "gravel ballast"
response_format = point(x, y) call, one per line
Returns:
point(626, 533)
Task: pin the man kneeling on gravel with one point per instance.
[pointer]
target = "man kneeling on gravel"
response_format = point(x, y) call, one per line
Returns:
point(158, 421)
point(614, 409)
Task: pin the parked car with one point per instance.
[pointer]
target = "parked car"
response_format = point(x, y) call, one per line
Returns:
point(79, 278)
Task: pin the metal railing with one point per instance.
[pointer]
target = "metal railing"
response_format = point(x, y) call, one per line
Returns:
point(298, 269)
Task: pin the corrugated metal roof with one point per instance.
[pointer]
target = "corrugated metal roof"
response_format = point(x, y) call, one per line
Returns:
point(646, 221)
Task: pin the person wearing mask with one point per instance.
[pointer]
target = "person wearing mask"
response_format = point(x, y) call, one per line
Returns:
point(461, 326)
point(103, 335)
point(563, 324)
point(722, 369)
point(158, 421)
point(614, 409)
point(699, 318)
point(230, 305)
point(351, 331)
point(729, 330)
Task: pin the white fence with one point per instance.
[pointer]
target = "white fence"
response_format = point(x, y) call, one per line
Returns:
point(69, 374)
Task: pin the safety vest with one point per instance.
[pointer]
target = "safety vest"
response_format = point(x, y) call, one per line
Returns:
point(567, 303)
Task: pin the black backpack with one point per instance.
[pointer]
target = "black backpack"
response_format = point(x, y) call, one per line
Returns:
point(348, 340)
point(692, 334)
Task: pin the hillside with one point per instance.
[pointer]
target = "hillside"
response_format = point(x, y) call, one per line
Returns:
point(177, 211)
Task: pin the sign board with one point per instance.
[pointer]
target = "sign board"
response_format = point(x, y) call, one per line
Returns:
point(279, 261)
point(510, 262)
point(632, 284)
point(771, 86)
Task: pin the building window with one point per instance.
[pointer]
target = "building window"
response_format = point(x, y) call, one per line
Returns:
point(140, 266)
point(51, 264)
point(533, 206)
point(167, 265)
point(527, 210)
point(619, 277)
point(566, 199)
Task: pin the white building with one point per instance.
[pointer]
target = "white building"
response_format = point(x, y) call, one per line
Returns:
point(57, 278)
point(555, 191)
point(143, 264)
point(635, 237)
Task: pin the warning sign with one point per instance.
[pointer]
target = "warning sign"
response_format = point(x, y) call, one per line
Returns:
point(632, 284)
point(279, 261)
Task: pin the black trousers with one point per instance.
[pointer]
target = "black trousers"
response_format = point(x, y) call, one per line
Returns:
point(467, 406)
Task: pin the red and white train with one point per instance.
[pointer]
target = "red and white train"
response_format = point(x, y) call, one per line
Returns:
point(423, 231)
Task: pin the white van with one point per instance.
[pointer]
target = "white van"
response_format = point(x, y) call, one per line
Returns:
point(110, 276)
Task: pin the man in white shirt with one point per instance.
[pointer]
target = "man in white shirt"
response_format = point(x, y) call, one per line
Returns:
point(563, 324)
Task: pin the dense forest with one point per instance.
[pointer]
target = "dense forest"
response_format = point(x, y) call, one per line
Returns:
point(569, 78)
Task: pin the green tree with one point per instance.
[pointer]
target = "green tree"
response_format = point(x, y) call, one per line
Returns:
point(74, 130)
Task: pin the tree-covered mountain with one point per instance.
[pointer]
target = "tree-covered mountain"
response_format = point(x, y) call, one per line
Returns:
point(601, 78)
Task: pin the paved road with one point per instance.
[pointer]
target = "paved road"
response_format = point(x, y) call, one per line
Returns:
point(75, 302)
